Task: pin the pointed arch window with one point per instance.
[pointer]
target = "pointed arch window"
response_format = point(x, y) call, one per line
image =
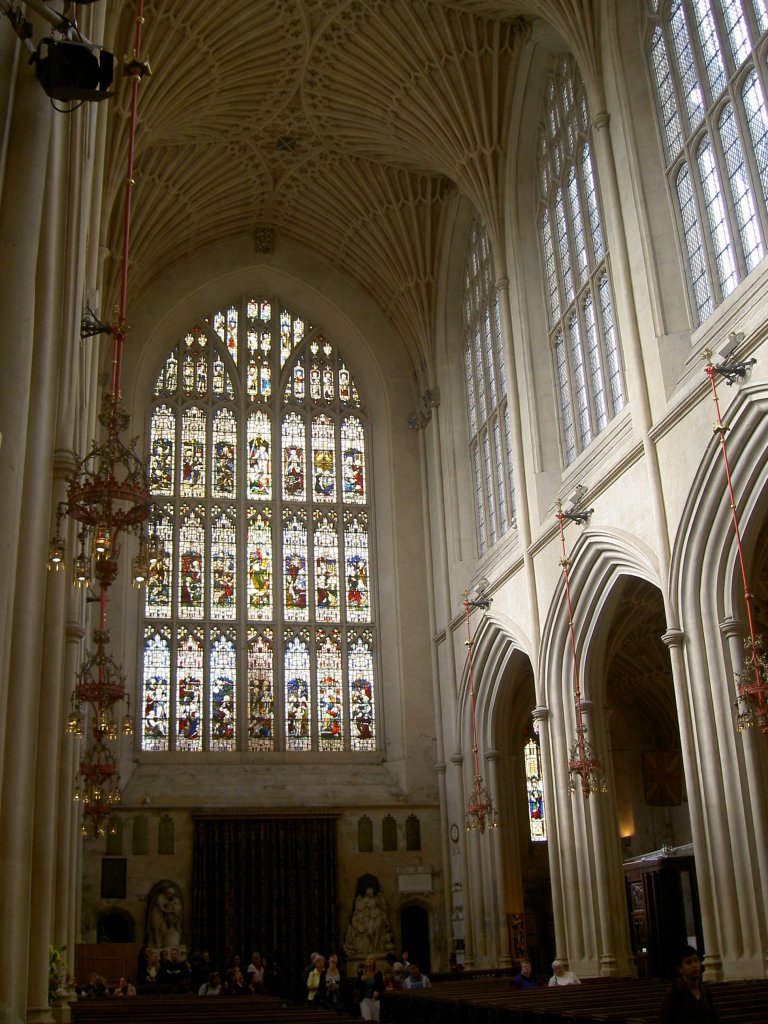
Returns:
point(582, 327)
point(486, 387)
point(259, 630)
point(707, 62)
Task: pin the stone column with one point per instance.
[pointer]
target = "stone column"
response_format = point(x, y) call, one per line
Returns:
point(495, 874)
point(467, 881)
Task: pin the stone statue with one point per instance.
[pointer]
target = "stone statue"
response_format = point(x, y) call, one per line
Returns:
point(164, 916)
point(368, 930)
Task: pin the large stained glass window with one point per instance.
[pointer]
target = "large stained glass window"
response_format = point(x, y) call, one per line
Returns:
point(259, 632)
point(589, 380)
point(707, 60)
point(486, 388)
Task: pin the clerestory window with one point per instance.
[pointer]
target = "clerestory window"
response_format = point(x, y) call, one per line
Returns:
point(490, 447)
point(259, 620)
point(707, 60)
point(583, 334)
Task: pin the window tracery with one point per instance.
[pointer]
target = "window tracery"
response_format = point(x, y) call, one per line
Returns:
point(707, 60)
point(258, 621)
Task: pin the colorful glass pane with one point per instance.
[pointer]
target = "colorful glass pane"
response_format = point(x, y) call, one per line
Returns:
point(191, 557)
point(260, 565)
point(221, 384)
point(295, 567)
point(158, 594)
point(161, 450)
point(193, 464)
point(326, 547)
point(223, 690)
point(259, 456)
point(323, 459)
point(353, 461)
point(297, 694)
point(223, 588)
point(362, 711)
point(224, 453)
point(345, 391)
point(157, 689)
point(357, 570)
point(533, 782)
point(189, 690)
point(168, 378)
point(294, 458)
point(231, 332)
point(330, 703)
point(260, 691)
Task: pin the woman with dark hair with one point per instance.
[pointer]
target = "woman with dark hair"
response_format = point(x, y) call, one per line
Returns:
point(688, 1000)
point(370, 985)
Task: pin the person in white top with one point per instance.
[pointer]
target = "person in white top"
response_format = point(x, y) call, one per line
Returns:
point(561, 976)
point(415, 979)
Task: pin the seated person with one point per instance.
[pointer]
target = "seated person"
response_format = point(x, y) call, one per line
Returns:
point(524, 977)
point(561, 976)
point(96, 988)
point(175, 972)
point(415, 979)
point(235, 984)
point(125, 988)
point(212, 987)
point(255, 973)
point(688, 998)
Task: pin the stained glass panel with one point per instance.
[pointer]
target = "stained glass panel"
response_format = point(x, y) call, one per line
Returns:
point(353, 461)
point(223, 690)
point(260, 691)
point(223, 585)
point(224, 454)
point(357, 570)
point(158, 601)
point(259, 456)
point(741, 190)
point(533, 781)
point(326, 547)
point(260, 565)
point(191, 560)
point(294, 458)
point(297, 693)
point(161, 450)
point(189, 690)
point(193, 463)
point(362, 714)
point(295, 567)
point(323, 459)
point(330, 701)
point(157, 689)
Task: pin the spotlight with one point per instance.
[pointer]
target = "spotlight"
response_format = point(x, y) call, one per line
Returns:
point(69, 70)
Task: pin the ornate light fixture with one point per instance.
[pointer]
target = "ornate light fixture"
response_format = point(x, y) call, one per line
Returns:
point(584, 767)
point(108, 496)
point(480, 814)
point(752, 681)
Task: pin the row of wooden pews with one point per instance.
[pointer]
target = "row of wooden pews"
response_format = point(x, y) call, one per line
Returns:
point(596, 1001)
point(193, 1009)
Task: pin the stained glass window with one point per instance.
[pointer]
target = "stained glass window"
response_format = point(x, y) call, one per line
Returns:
point(259, 629)
point(710, 84)
point(533, 783)
point(583, 337)
point(486, 390)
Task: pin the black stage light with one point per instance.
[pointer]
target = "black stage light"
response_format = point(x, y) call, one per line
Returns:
point(71, 71)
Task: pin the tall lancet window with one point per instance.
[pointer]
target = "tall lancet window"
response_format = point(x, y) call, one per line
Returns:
point(259, 630)
point(583, 334)
point(708, 67)
point(537, 820)
point(486, 383)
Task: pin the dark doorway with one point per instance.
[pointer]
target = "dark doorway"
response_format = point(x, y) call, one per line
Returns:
point(414, 929)
point(115, 926)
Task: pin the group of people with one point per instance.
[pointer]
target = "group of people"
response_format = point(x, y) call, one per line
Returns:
point(328, 987)
point(168, 970)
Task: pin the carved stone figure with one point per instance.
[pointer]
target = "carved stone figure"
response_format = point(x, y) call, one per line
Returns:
point(164, 916)
point(368, 930)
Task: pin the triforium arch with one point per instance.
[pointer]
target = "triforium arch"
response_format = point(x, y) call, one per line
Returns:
point(607, 571)
point(726, 771)
point(493, 873)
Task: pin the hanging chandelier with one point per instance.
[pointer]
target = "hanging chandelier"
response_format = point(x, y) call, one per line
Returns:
point(108, 496)
point(752, 681)
point(480, 814)
point(584, 767)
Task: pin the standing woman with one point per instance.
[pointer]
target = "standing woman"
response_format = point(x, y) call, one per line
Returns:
point(370, 985)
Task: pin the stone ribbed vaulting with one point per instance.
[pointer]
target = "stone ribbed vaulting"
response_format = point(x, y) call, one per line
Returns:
point(314, 121)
